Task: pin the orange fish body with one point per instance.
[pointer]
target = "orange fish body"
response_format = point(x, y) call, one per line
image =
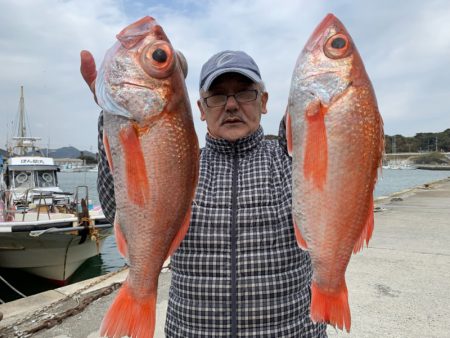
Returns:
point(335, 137)
point(152, 150)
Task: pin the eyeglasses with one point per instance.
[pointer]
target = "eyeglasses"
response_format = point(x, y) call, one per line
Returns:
point(220, 100)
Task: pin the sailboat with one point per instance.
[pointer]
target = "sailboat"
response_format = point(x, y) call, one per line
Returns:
point(44, 230)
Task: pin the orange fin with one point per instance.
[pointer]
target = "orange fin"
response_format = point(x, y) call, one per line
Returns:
point(331, 308)
point(367, 231)
point(120, 239)
point(107, 151)
point(180, 235)
point(136, 173)
point(316, 149)
point(130, 315)
point(300, 240)
point(288, 133)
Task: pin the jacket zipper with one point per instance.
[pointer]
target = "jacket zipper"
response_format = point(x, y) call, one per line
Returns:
point(234, 244)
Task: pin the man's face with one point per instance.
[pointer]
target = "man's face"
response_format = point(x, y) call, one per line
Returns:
point(233, 120)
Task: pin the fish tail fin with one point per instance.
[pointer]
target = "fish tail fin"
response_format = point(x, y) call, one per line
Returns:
point(180, 235)
point(288, 133)
point(299, 237)
point(130, 316)
point(366, 233)
point(331, 308)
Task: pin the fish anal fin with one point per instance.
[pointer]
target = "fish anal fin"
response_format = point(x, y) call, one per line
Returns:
point(120, 239)
point(315, 163)
point(288, 133)
point(136, 173)
point(299, 237)
point(180, 235)
point(331, 308)
point(367, 231)
point(130, 315)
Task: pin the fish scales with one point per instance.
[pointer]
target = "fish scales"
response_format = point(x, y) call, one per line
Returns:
point(152, 150)
point(335, 137)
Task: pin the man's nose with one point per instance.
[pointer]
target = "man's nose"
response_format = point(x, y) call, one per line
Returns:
point(232, 103)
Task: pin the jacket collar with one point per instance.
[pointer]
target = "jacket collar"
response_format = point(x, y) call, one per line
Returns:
point(241, 146)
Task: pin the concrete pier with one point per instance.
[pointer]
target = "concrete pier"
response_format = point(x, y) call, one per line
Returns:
point(398, 287)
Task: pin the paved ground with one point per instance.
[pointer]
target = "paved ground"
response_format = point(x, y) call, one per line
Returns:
point(398, 287)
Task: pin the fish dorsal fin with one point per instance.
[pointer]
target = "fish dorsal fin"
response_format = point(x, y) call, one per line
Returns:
point(367, 230)
point(132, 34)
point(316, 149)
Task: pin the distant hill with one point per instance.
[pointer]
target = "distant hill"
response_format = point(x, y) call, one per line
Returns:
point(421, 142)
point(64, 152)
point(67, 152)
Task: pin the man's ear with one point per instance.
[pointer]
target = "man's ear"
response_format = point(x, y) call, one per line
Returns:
point(202, 110)
point(264, 99)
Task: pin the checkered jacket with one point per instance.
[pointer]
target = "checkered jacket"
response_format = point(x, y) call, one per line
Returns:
point(238, 272)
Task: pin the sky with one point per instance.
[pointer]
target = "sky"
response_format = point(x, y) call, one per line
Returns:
point(405, 46)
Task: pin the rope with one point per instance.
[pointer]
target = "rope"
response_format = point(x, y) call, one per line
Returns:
point(12, 287)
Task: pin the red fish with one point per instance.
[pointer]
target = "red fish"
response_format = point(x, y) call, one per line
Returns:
point(335, 137)
point(152, 150)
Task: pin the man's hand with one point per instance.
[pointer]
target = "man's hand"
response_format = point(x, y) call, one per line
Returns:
point(88, 70)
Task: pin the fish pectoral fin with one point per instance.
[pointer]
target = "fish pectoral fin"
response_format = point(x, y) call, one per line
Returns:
point(300, 240)
point(288, 132)
point(120, 239)
point(315, 162)
point(367, 231)
point(136, 172)
point(130, 316)
point(331, 308)
point(180, 235)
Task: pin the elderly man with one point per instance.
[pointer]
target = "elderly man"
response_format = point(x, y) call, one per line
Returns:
point(238, 272)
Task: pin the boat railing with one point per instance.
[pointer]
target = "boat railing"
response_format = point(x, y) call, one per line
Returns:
point(33, 199)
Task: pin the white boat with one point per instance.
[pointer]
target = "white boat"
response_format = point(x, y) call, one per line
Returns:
point(44, 230)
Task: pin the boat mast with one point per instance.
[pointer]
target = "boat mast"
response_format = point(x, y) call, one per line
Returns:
point(22, 142)
point(22, 129)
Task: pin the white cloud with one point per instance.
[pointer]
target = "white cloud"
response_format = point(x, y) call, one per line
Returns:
point(405, 48)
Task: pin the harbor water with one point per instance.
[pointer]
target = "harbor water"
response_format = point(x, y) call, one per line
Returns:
point(109, 260)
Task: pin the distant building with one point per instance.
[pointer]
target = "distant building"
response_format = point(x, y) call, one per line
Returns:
point(68, 163)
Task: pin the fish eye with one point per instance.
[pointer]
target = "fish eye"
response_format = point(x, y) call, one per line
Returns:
point(338, 43)
point(159, 55)
point(338, 46)
point(158, 59)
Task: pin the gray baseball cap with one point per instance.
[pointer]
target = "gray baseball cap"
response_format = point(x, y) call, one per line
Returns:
point(228, 61)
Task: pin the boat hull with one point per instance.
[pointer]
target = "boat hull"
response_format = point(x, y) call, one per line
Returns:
point(54, 256)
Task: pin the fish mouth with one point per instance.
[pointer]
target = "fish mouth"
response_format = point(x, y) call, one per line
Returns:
point(132, 84)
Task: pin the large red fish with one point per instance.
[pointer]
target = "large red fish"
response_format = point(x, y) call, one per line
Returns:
point(335, 136)
point(153, 153)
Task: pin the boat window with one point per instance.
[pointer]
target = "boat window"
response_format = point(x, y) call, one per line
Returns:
point(45, 178)
point(23, 179)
